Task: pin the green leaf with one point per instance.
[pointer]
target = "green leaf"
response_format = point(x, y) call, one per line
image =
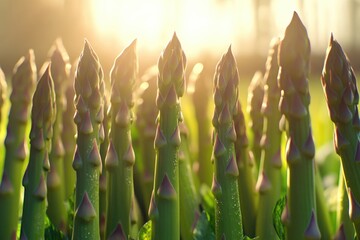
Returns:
point(208, 203)
point(203, 229)
point(278, 225)
point(145, 231)
point(51, 232)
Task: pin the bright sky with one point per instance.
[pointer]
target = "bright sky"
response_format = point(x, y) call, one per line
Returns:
point(201, 25)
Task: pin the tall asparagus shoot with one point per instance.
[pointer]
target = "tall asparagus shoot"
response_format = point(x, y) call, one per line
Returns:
point(164, 203)
point(56, 210)
point(246, 179)
point(345, 226)
point(189, 200)
point(23, 82)
point(339, 84)
point(294, 54)
point(89, 90)
point(145, 121)
point(120, 157)
point(103, 176)
point(228, 223)
point(255, 101)
point(269, 180)
point(42, 117)
point(68, 136)
point(201, 99)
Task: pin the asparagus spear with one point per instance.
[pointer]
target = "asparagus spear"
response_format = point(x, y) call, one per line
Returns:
point(248, 197)
point(89, 90)
point(68, 136)
point(103, 176)
point(164, 203)
point(269, 180)
point(145, 121)
point(228, 224)
point(339, 84)
point(201, 99)
point(294, 54)
point(120, 157)
point(56, 210)
point(345, 225)
point(189, 200)
point(43, 117)
point(3, 90)
point(255, 101)
point(23, 82)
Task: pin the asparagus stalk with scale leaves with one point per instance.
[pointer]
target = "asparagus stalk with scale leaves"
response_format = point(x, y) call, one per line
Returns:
point(23, 82)
point(145, 121)
point(228, 223)
point(103, 176)
point(345, 226)
point(189, 200)
point(246, 179)
point(255, 101)
point(56, 210)
point(269, 180)
point(201, 99)
point(300, 213)
point(42, 117)
point(89, 90)
point(120, 157)
point(339, 84)
point(164, 204)
point(68, 136)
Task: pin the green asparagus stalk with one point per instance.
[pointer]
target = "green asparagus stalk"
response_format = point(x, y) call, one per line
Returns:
point(255, 101)
point(103, 176)
point(339, 84)
point(201, 99)
point(164, 203)
point(120, 156)
point(322, 208)
point(23, 82)
point(89, 90)
point(248, 197)
point(3, 91)
point(345, 227)
point(228, 223)
point(145, 121)
point(42, 117)
point(189, 200)
point(68, 136)
point(269, 181)
point(294, 54)
point(56, 210)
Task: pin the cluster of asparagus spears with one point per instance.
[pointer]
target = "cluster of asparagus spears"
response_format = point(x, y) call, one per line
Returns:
point(84, 147)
